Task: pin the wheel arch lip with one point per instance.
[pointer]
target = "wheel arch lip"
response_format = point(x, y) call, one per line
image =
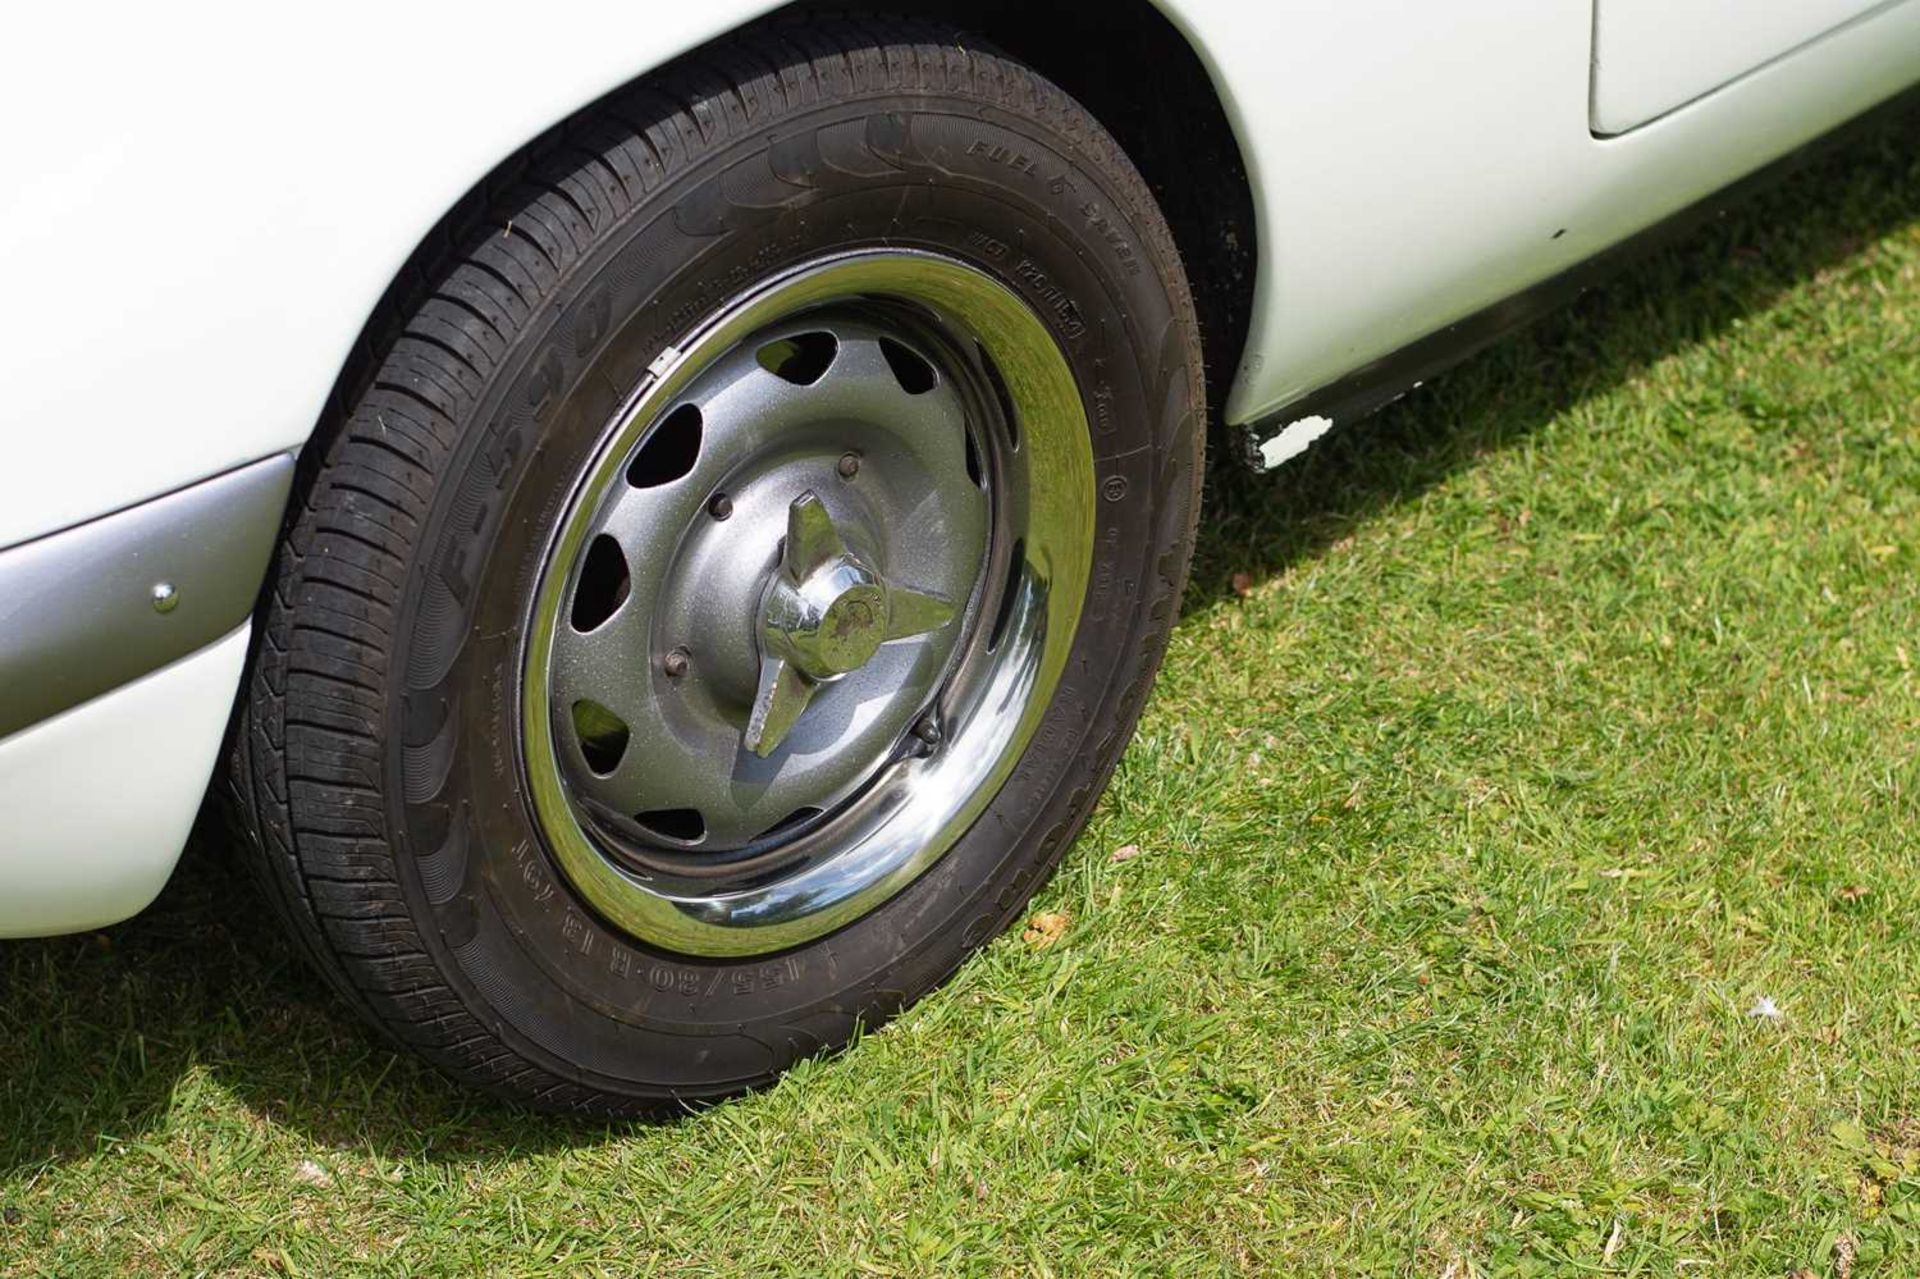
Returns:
point(94, 607)
point(435, 223)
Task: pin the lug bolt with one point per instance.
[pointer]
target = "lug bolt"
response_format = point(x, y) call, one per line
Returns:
point(675, 664)
point(849, 465)
point(927, 731)
point(720, 507)
point(165, 597)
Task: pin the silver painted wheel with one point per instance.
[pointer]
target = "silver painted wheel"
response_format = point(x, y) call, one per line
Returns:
point(808, 603)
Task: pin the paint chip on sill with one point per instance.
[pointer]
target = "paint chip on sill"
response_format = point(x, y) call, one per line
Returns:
point(1293, 441)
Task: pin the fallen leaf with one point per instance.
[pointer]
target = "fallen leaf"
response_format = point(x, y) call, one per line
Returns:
point(1243, 584)
point(1613, 1244)
point(1853, 892)
point(310, 1173)
point(1125, 853)
point(1046, 928)
point(1851, 1137)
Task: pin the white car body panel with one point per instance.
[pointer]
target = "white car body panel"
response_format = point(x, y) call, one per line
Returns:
point(244, 201)
point(193, 241)
point(1396, 200)
point(77, 854)
point(1650, 56)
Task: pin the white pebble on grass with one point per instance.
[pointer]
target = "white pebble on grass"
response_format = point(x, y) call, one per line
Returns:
point(310, 1173)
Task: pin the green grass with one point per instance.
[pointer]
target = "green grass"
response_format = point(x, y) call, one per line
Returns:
point(1563, 712)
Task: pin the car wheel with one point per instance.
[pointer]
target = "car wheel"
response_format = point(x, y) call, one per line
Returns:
point(718, 607)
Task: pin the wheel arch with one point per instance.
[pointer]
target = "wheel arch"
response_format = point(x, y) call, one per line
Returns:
point(1141, 68)
point(1180, 137)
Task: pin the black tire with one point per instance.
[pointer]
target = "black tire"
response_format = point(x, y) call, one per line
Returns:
point(371, 771)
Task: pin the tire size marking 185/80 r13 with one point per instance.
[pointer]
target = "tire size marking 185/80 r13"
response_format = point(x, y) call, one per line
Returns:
point(651, 975)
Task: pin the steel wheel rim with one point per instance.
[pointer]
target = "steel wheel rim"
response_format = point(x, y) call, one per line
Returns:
point(967, 693)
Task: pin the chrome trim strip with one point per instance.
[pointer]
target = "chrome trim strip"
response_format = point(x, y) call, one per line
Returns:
point(91, 607)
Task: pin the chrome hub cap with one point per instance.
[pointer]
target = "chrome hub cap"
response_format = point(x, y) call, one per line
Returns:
point(826, 615)
point(807, 604)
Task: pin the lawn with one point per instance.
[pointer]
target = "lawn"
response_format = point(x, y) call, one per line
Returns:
point(1517, 873)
